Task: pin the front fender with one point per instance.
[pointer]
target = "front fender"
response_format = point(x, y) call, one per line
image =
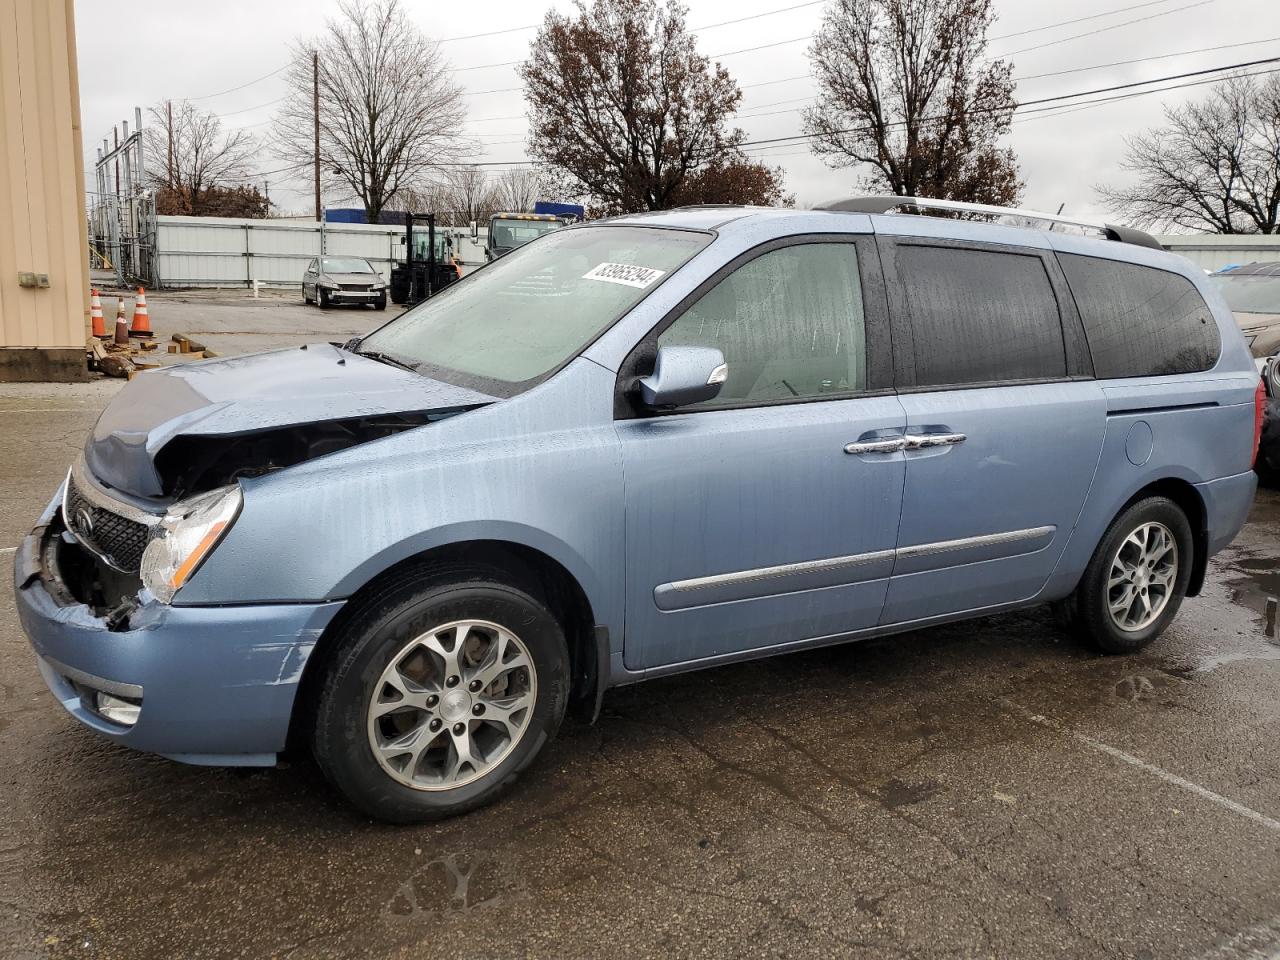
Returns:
point(542, 470)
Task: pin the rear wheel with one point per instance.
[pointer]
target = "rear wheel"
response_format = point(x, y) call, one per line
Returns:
point(305, 299)
point(440, 694)
point(1137, 578)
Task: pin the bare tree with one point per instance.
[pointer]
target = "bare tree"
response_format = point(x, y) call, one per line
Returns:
point(1214, 167)
point(199, 163)
point(469, 194)
point(520, 188)
point(621, 101)
point(905, 94)
point(389, 110)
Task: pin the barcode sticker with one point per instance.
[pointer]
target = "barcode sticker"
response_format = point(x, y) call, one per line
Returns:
point(623, 273)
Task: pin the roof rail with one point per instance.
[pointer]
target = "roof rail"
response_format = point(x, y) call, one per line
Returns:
point(884, 204)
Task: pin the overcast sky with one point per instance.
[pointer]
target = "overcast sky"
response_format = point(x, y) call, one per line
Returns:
point(139, 52)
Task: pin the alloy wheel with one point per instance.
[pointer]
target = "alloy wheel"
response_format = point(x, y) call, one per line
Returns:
point(452, 704)
point(1143, 572)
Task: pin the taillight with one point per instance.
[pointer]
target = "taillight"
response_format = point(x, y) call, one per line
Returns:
point(1259, 407)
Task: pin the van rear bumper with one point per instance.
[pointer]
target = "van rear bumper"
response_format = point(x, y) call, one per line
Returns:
point(1227, 502)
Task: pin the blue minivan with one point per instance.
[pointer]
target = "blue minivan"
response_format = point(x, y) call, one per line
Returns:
point(631, 448)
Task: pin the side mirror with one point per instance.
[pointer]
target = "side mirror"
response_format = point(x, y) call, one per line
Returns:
point(684, 375)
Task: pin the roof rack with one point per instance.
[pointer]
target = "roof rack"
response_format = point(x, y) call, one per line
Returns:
point(884, 204)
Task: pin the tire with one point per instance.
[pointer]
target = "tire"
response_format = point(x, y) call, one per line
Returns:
point(323, 296)
point(1136, 625)
point(363, 679)
point(305, 299)
point(380, 303)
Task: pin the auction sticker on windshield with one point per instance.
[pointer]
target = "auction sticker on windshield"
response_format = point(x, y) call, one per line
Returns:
point(623, 273)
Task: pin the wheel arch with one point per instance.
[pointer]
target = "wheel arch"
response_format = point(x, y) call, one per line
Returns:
point(518, 563)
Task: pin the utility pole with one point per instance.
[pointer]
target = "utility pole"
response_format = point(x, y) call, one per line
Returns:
point(315, 108)
point(168, 104)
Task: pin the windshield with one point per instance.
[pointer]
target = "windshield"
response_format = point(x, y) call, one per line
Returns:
point(345, 265)
point(502, 328)
point(505, 234)
point(1249, 293)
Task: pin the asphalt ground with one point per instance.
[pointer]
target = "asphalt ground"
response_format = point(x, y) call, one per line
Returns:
point(987, 789)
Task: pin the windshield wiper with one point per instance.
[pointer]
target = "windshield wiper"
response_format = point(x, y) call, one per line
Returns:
point(386, 358)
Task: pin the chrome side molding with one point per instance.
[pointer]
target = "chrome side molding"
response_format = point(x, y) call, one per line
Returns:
point(761, 582)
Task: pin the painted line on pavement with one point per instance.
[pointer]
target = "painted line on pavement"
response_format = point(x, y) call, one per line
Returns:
point(1170, 778)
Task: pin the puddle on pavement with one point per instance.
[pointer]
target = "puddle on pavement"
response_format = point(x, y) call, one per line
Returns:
point(1260, 579)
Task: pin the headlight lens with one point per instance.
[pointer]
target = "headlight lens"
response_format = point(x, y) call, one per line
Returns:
point(187, 534)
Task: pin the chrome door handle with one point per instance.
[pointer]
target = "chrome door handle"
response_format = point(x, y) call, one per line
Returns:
point(920, 441)
point(891, 445)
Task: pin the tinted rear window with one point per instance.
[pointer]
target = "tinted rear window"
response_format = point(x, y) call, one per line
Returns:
point(1140, 321)
point(979, 316)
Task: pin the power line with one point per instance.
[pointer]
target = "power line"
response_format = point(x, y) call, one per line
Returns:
point(780, 43)
point(1055, 99)
point(1114, 26)
point(265, 76)
point(491, 33)
point(1066, 23)
point(1160, 56)
point(769, 13)
point(1056, 73)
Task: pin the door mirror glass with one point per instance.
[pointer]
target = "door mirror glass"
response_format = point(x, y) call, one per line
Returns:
point(684, 375)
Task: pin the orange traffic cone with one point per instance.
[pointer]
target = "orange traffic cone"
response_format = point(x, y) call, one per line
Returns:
point(141, 326)
point(95, 316)
point(122, 325)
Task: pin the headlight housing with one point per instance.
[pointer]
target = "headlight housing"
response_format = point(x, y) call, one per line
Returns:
point(187, 534)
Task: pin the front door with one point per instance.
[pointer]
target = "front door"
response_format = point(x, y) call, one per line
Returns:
point(1004, 425)
point(748, 525)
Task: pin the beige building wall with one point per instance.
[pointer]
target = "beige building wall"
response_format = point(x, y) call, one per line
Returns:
point(42, 219)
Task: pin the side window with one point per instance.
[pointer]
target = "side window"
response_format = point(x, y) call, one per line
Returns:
point(311, 267)
point(1140, 321)
point(980, 316)
point(789, 323)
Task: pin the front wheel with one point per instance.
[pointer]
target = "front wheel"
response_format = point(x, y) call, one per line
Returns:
point(380, 303)
point(1137, 578)
point(444, 688)
point(323, 296)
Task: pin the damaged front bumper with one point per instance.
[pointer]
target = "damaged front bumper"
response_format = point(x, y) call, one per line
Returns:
point(212, 685)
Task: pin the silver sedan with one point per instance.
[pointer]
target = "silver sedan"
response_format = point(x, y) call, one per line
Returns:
point(334, 280)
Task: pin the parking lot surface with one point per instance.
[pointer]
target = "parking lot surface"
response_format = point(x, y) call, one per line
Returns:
point(982, 790)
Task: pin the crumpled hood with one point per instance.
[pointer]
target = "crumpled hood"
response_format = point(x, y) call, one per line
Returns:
point(241, 395)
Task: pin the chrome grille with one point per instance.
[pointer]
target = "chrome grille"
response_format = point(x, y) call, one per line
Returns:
point(118, 540)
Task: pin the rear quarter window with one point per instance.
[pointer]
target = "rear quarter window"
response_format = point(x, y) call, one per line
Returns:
point(1141, 321)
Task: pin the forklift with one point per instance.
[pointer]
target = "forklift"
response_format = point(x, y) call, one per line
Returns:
point(425, 270)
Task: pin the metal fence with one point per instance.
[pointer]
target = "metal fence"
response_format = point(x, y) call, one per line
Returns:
point(224, 252)
point(1215, 251)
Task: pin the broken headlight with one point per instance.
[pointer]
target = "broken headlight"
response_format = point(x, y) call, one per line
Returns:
point(187, 534)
